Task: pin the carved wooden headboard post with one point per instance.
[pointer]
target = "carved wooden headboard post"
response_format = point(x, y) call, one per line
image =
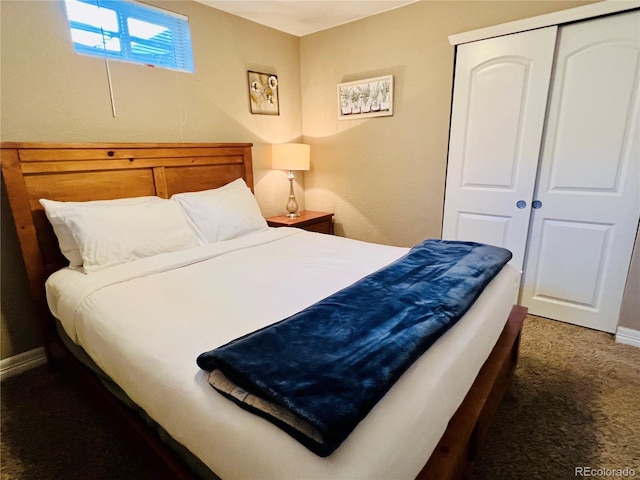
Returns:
point(102, 171)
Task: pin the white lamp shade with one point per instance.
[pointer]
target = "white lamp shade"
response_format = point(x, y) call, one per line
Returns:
point(290, 156)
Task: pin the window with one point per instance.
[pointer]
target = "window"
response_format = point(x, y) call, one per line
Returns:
point(123, 30)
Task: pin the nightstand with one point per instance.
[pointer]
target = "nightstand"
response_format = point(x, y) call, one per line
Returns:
point(321, 222)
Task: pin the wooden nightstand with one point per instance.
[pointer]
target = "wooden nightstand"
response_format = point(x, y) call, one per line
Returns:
point(321, 222)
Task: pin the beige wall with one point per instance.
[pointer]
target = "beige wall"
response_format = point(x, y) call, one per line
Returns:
point(384, 178)
point(630, 311)
point(19, 333)
point(51, 94)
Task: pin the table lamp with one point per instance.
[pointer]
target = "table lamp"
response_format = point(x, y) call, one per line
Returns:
point(290, 157)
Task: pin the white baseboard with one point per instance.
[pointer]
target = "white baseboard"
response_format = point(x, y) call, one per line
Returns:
point(22, 362)
point(628, 336)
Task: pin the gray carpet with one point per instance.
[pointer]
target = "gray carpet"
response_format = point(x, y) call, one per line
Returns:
point(575, 402)
point(52, 430)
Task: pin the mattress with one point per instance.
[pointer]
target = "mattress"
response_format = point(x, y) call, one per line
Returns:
point(144, 323)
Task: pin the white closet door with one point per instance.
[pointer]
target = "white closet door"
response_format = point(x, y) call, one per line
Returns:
point(500, 97)
point(582, 235)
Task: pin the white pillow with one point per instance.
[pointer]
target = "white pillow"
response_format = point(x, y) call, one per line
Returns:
point(223, 213)
point(56, 212)
point(113, 232)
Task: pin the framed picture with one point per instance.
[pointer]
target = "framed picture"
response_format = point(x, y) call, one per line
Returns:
point(263, 93)
point(372, 97)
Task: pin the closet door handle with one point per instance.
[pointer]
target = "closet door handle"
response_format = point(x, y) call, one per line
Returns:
point(536, 204)
point(521, 204)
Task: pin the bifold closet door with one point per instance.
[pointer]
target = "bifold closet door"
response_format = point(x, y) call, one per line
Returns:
point(500, 96)
point(582, 234)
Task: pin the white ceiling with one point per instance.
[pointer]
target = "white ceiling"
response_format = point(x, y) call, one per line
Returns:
point(302, 17)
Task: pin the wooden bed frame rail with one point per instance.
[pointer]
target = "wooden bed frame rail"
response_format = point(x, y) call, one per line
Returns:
point(100, 171)
point(460, 445)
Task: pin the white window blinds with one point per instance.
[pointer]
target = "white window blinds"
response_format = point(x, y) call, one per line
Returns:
point(123, 30)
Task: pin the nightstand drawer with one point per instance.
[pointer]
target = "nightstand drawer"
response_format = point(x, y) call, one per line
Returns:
point(321, 227)
point(320, 222)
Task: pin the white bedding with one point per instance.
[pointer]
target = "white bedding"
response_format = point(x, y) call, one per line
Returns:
point(144, 324)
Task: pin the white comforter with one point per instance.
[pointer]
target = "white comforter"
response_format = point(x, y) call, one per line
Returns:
point(145, 323)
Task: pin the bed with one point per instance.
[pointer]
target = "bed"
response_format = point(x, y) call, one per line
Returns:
point(429, 425)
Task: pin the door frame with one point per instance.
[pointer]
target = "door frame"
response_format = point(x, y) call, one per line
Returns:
point(584, 12)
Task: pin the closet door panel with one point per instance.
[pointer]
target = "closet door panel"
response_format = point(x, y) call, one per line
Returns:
point(500, 95)
point(589, 183)
point(587, 143)
point(564, 263)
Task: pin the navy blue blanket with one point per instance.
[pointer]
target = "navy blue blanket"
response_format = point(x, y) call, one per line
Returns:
point(323, 369)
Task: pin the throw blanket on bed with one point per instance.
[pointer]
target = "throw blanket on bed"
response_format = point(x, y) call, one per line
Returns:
point(319, 372)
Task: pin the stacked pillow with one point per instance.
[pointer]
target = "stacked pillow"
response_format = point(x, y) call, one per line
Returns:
point(98, 234)
point(223, 213)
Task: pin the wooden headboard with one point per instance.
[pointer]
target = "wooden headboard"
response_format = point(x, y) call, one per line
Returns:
point(103, 171)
